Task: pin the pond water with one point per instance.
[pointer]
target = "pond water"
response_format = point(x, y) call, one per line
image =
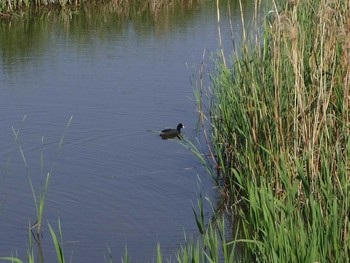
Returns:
point(114, 182)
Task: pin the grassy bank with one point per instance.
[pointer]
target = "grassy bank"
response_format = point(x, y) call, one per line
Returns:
point(279, 132)
point(14, 4)
point(9, 8)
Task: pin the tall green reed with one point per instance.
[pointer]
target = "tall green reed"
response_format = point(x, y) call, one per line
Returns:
point(39, 197)
point(279, 126)
point(58, 241)
point(9, 7)
point(213, 244)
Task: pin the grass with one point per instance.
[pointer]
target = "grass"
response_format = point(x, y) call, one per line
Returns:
point(9, 8)
point(39, 197)
point(278, 124)
point(39, 201)
point(57, 241)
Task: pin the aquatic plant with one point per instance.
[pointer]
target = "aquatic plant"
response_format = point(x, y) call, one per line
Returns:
point(39, 202)
point(30, 252)
point(278, 128)
point(125, 6)
point(39, 197)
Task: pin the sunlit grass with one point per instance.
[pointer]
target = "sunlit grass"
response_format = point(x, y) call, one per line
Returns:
point(10, 7)
point(57, 241)
point(39, 197)
point(279, 125)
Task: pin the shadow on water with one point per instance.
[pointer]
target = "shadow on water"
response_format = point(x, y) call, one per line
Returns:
point(26, 37)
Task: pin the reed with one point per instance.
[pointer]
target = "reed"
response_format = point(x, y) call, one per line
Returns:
point(10, 7)
point(30, 252)
point(39, 197)
point(38, 205)
point(215, 244)
point(279, 125)
point(58, 241)
point(40, 200)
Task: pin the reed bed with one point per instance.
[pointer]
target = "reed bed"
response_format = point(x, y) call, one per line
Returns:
point(279, 126)
point(10, 7)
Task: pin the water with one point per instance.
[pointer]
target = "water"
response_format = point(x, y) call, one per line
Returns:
point(114, 181)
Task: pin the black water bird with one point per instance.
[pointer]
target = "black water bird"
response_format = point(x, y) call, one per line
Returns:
point(172, 133)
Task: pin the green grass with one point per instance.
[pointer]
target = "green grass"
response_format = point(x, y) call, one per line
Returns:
point(279, 126)
point(57, 241)
point(9, 8)
point(39, 197)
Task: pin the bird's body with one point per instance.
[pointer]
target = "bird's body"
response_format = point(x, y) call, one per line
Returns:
point(172, 133)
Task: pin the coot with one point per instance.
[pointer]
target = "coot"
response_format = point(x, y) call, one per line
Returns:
point(172, 133)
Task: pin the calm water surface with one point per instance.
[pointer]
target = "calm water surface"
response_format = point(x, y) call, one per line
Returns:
point(114, 182)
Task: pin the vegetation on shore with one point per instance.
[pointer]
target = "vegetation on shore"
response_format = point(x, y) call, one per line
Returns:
point(279, 125)
point(9, 8)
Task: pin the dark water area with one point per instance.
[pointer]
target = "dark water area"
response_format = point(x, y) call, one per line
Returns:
point(114, 182)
